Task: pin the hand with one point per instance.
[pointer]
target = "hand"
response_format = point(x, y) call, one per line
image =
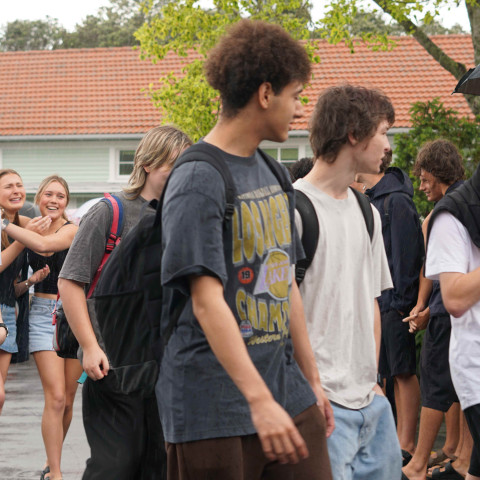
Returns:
point(278, 434)
point(39, 224)
point(377, 389)
point(39, 275)
point(95, 362)
point(418, 319)
point(325, 407)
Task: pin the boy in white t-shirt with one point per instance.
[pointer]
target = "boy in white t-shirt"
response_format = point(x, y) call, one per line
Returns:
point(348, 134)
point(453, 257)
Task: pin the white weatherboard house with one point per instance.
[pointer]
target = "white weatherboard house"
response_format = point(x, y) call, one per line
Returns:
point(81, 113)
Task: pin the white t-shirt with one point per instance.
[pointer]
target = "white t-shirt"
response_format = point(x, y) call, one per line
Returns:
point(347, 273)
point(450, 249)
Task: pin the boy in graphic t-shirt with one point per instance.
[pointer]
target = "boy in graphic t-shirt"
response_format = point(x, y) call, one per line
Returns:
point(235, 401)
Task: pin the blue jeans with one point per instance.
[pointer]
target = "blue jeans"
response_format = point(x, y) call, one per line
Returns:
point(364, 444)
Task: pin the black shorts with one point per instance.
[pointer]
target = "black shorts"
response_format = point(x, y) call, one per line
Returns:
point(397, 349)
point(435, 381)
point(472, 415)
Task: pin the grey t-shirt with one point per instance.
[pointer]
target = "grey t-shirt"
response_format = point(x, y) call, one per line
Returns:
point(253, 258)
point(88, 247)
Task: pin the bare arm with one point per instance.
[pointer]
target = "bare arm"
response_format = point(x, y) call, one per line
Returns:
point(55, 242)
point(95, 361)
point(304, 355)
point(420, 314)
point(10, 254)
point(460, 291)
point(279, 437)
point(377, 332)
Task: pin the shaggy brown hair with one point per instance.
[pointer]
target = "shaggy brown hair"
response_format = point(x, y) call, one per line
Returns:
point(251, 53)
point(442, 159)
point(346, 110)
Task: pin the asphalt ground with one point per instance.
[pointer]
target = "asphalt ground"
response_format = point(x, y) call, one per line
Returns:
point(22, 454)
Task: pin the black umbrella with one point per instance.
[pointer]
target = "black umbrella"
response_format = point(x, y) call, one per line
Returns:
point(470, 82)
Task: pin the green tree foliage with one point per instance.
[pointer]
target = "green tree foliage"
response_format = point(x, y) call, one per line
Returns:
point(113, 26)
point(184, 27)
point(430, 121)
point(416, 17)
point(32, 35)
point(374, 23)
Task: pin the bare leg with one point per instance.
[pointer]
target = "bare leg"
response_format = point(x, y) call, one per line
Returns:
point(51, 370)
point(5, 358)
point(452, 424)
point(462, 463)
point(430, 422)
point(407, 400)
point(73, 370)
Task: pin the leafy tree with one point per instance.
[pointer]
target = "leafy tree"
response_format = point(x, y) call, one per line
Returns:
point(414, 16)
point(32, 35)
point(430, 121)
point(113, 26)
point(375, 23)
point(183, 27)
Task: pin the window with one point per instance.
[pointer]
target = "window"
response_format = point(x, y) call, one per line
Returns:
point(285, 155)
point(125, 162)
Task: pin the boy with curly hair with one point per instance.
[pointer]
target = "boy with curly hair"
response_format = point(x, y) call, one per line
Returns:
point(239, 392)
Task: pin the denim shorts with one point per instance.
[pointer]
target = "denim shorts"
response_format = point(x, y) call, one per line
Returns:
point(10, 320)
point(364, 444)
point(41, 328)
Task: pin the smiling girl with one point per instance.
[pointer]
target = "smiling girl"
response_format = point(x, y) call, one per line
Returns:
point(12, 198)
point(47, 251)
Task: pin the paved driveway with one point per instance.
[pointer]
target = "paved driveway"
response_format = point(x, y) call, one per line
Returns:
point(22, 453)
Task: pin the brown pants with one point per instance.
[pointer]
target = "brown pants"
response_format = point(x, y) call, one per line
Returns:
point(242, 458)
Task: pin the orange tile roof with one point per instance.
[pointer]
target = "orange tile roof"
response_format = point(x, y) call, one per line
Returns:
point(98, 91)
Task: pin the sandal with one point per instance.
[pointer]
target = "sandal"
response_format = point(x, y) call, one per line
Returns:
point(439, 459)
point(44, 472)
point(449, 473)
point(406, 457)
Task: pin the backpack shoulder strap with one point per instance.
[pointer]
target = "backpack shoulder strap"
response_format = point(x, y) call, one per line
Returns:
point(277, 169)
point(114, 236)
point(206, 153)
point(366, 208)
point(310, 233)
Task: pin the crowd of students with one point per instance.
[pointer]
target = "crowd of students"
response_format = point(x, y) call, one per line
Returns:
point(263, 378)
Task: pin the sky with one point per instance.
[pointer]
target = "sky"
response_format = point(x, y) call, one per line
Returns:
point(71, 12)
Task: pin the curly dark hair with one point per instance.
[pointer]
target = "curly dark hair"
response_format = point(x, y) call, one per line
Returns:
point(251, 53)
point(442, 159)
point(386, 161)
point(346, 110)
point(300, 168)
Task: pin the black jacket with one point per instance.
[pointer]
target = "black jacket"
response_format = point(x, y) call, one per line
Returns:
point(464, 204)
point(402, 235)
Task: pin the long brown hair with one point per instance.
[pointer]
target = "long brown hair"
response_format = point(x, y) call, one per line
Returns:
point(16, 218)
point(46, 182)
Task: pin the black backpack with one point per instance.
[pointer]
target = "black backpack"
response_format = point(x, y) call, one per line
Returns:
point(128, 296)
point(311, 231)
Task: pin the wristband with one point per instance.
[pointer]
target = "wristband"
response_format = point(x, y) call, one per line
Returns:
point(5, 327)
point(4, 223)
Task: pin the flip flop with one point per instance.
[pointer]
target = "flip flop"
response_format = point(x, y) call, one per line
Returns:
point(44, 472)
point(448, 474)
point(439, 459)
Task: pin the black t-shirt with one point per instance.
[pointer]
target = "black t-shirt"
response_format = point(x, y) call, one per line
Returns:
point(253, 259)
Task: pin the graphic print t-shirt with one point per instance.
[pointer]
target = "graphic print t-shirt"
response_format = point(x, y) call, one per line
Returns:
point(253, 259)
